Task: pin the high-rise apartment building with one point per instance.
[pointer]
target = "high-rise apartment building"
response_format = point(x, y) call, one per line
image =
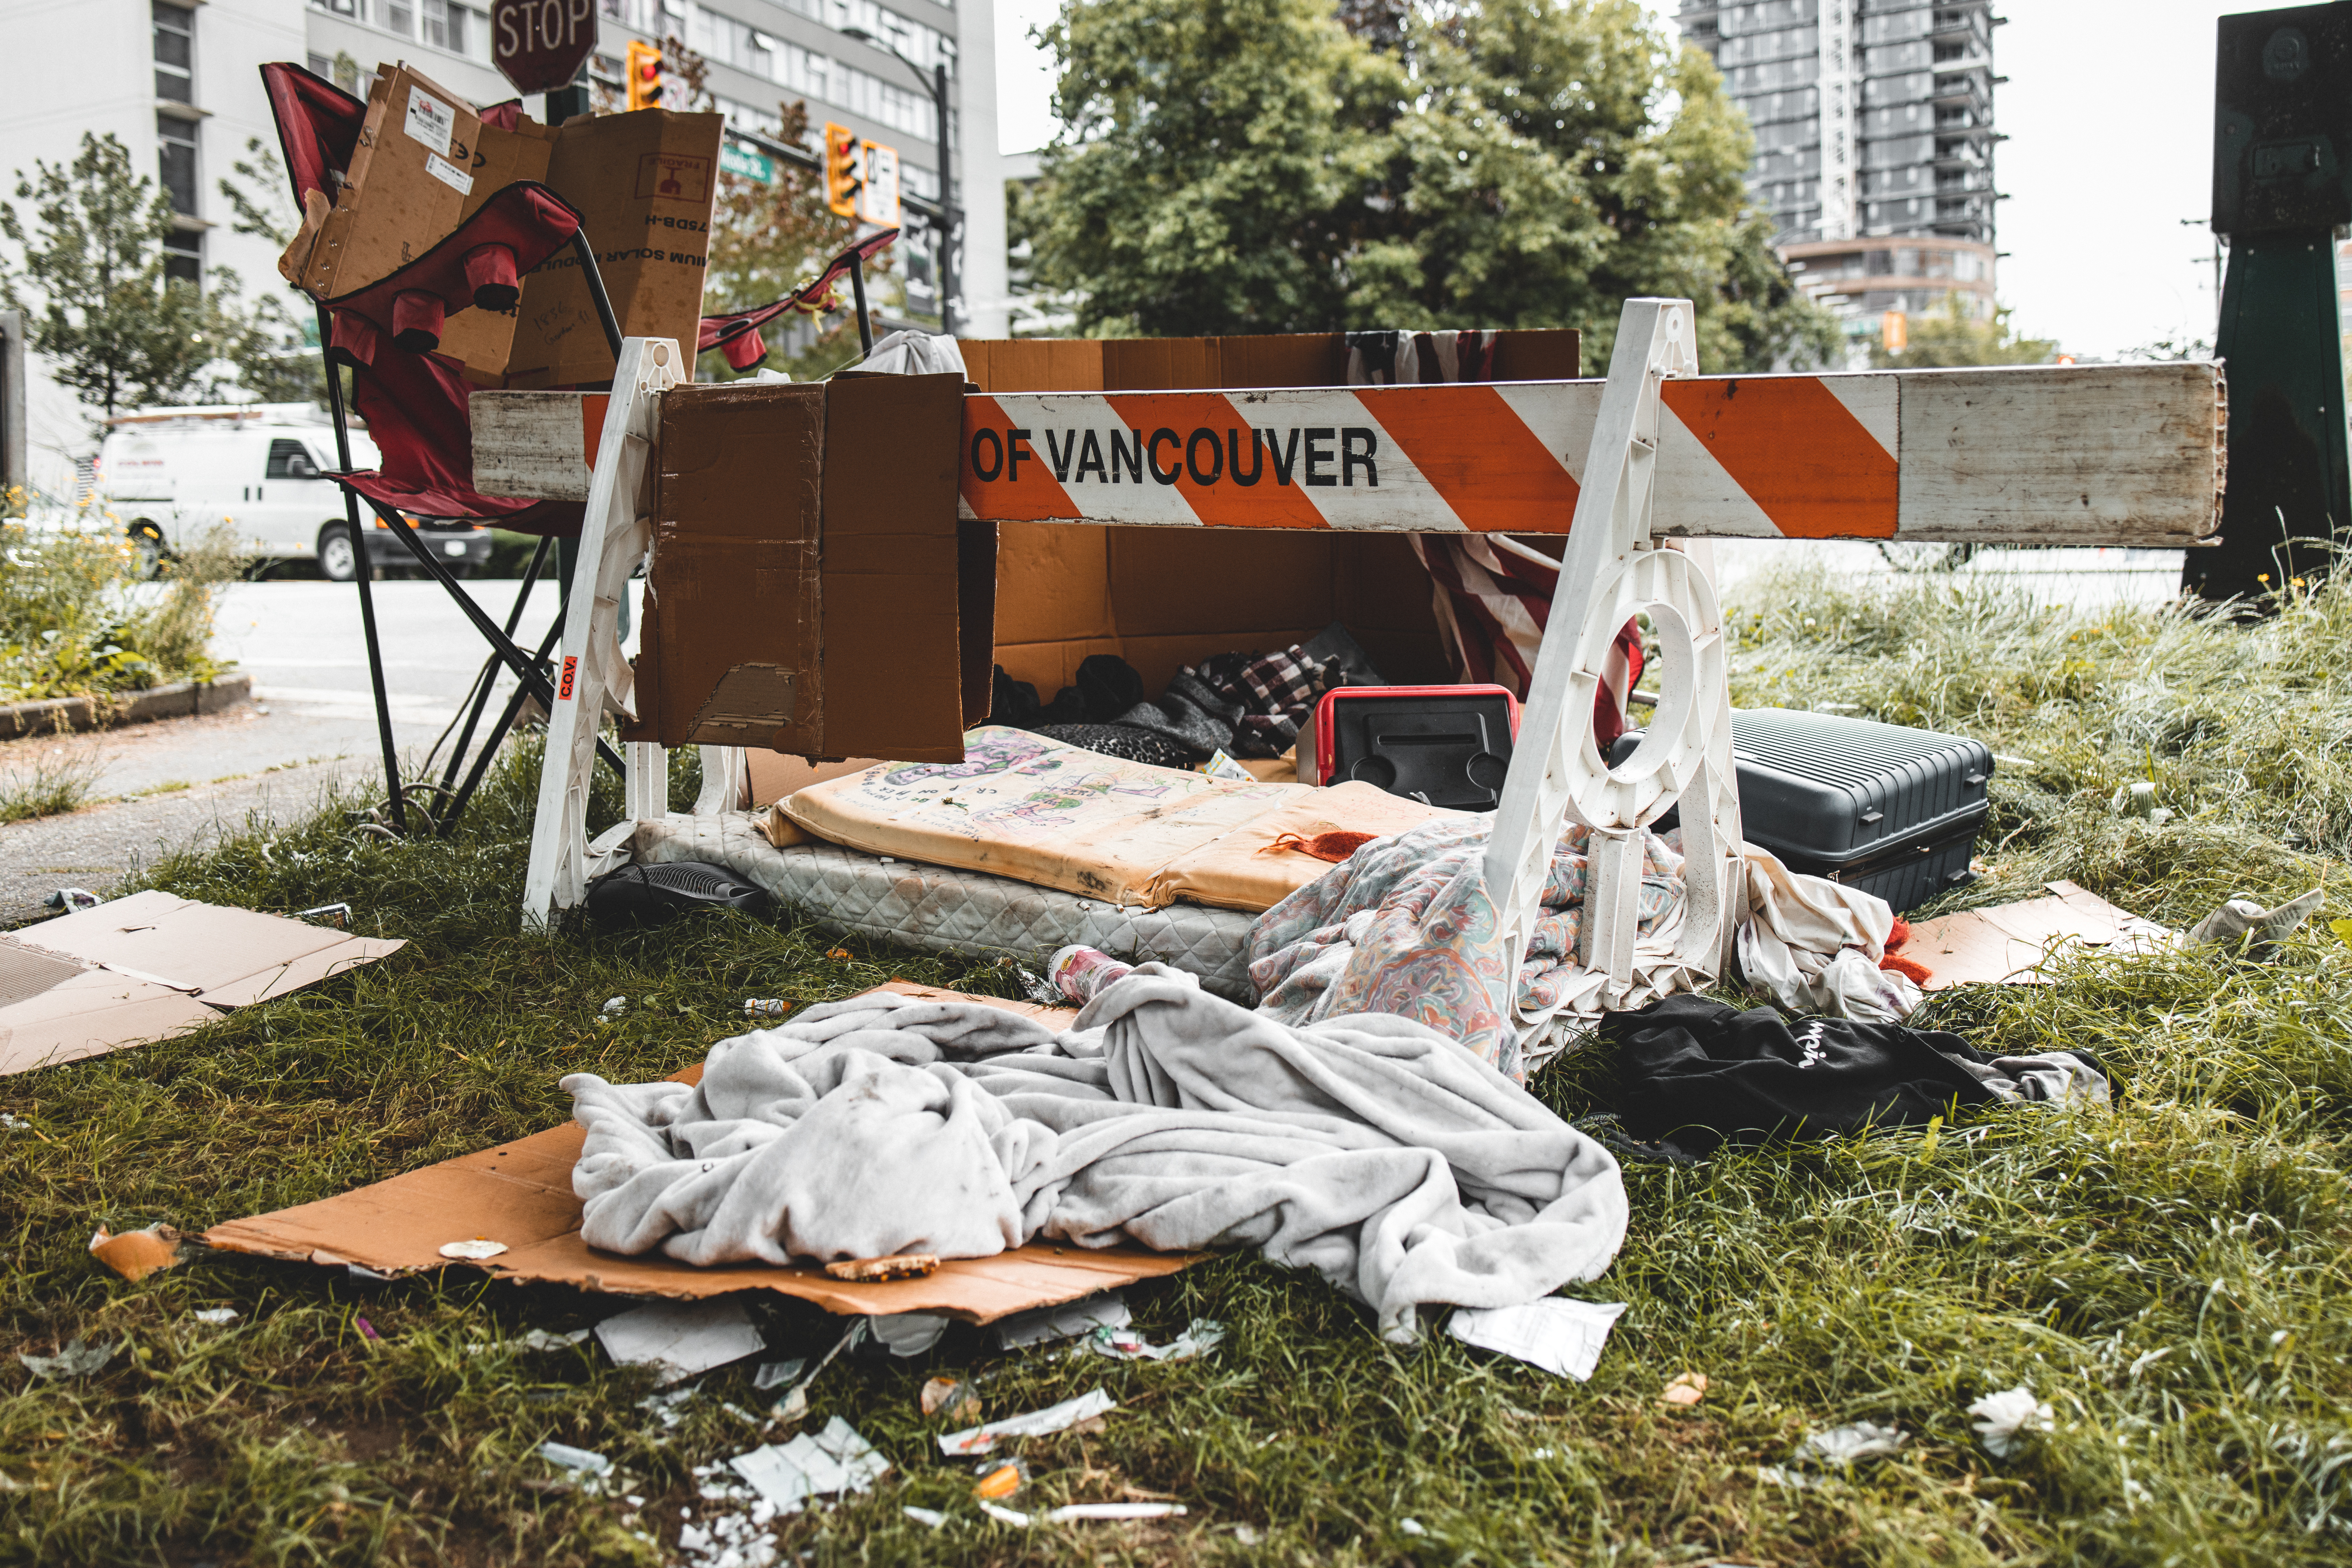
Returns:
point(1874, 140)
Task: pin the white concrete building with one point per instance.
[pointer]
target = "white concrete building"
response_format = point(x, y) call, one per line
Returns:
point(178, 83)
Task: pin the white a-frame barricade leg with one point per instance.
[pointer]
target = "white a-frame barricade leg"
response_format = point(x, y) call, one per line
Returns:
point(594, 678)
point(1612, 571)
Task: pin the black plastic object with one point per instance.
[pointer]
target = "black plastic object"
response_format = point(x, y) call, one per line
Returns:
point(645, 894)
point(2282, 122)
point(1440, 746)
point(1890, 810)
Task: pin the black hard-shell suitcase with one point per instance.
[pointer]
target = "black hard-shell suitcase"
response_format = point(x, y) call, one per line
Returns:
point(1890, 810)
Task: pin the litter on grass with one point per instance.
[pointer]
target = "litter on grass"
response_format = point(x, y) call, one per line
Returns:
point(1071, 1513)
point(78, 1359)
point(2241, 918)
point(825, 1464)
point(1200, 1337)
point(929, 1516)
point(795, 1403)
point(776, 1374)
point(214, 1315)
point(136, 1253)
point(1685, 1388)
point(955, 1398)
point(1037, 1424)
point(1000, 1479)
point(473, 1250)
point(1068, 1320)
point(615, 1006)
point(540, 1339)
point(585, 1461)
point(1004, 1515)
point(1563, 1336)
point(2006, 1417)
point(1843, 1445)
point(908, 1333)
point(680, 1338)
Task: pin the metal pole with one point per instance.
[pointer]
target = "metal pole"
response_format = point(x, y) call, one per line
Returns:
point(490, 668)
point(457, 807)
point(947, 208)
point(858, 287)
point(363, 569)
point(596, 291)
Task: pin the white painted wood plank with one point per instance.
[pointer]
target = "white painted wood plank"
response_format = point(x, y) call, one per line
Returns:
point(2059, 455)
point(530, 444)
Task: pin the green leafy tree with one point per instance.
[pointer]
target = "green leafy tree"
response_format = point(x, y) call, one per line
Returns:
point(92, 283)
point(275, 346)
point(1953, 334)
point(1282, 165)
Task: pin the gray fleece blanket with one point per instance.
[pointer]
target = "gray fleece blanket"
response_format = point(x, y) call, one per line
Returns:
point(1369, 1148)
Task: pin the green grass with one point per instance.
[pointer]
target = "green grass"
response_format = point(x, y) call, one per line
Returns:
point(2172, 1277)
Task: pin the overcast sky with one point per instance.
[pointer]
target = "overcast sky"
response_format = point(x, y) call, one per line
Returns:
point(2109, 104)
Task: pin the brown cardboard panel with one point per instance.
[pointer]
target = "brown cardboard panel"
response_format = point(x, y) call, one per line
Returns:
point(229, 957)
point(521, 1194)
point(2007, 943)
point(1161, 364)
point(1541, 354)
point(145, 968)
point(1171, 581)
point(1051, 665)
point(736, 541)
point(1288, 358)
point(91, 1012)
point(645, 184)
point(1053, 583)
point(775, 775)
point(893, 576)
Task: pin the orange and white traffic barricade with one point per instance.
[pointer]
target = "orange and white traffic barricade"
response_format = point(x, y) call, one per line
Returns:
point(2115, 455)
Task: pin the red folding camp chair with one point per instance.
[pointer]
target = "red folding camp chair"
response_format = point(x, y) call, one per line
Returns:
point(414, 401)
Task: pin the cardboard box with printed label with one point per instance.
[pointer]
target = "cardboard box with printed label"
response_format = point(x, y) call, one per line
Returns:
point(427, 161)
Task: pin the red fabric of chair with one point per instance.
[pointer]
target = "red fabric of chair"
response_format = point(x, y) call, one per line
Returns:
point(319, 127)
point(736, 335)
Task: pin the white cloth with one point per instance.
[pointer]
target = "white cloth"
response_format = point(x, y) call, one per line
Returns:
point(1370, 1149)
point(1813, 945)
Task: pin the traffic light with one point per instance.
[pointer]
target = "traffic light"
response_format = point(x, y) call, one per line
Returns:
point(844, 169)
point(645, 74)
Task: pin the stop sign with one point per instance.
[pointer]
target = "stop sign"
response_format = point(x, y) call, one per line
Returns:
point(539, 45)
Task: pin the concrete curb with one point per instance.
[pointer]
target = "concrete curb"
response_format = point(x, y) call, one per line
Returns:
point(181, 700)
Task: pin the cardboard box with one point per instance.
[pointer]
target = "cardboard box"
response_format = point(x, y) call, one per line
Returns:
point(137, 969)
point(643, 183)
point(1164, 598)
point(521, 1194)
point(811, 591)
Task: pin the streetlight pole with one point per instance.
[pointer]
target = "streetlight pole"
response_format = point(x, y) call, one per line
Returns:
point(937, 82)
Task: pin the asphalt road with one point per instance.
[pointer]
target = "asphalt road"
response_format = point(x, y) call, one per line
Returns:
point(312, 721)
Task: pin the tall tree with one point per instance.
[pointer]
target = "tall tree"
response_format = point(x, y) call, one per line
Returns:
point(116, 330)
point(1292, 166)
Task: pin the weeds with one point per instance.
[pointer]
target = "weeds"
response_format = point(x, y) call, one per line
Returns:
point(2170, 1275)
point(75, 618)
point(48, 787)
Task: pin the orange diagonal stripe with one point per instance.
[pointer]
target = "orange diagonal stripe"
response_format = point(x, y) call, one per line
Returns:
point(999, 483)
point(1478, 455)
point(1813, 467)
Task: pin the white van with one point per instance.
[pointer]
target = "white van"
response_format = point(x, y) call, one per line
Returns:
point(171, 474)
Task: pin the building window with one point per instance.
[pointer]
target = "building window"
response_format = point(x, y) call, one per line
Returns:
point(179, 139)
point(400, 16)
point(175, 53)
point(183, 258)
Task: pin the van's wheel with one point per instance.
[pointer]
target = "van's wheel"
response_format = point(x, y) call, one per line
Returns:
point(148, 540)
point(338, 556)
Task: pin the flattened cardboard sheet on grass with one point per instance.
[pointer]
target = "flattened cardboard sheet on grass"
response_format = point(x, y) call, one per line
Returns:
point(521, 1194)
point(2007, 943)
point(145, 968)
